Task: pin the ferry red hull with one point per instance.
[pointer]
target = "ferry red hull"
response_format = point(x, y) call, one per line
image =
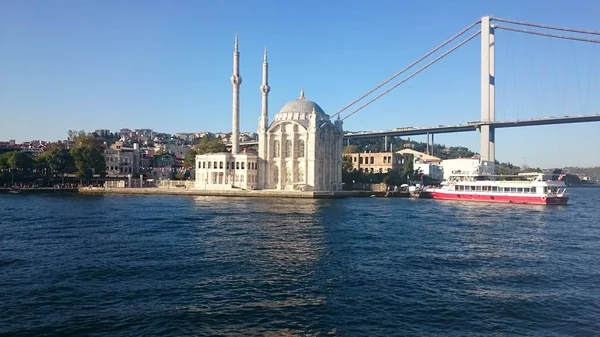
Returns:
point(508, 199)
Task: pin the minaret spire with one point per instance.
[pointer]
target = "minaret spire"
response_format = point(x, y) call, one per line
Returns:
point(236, 80)
point(301, 93)
point(264, 89)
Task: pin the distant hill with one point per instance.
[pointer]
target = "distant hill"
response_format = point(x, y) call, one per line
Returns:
point(592, 172)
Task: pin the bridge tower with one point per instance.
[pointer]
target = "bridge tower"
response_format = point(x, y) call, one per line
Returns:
point(488, 91)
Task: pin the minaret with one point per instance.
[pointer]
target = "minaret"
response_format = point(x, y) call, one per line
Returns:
point(263, 125)
point(264, 89)
point(236, 80)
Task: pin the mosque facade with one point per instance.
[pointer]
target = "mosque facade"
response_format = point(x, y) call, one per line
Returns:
point(300, 150)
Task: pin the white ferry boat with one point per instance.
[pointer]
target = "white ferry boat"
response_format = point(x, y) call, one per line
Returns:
point(525, 188)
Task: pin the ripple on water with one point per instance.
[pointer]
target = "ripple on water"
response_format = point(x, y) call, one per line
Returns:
point(152, 265)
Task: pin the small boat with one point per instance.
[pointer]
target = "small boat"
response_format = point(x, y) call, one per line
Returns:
point(14, 190)
point(525, 188)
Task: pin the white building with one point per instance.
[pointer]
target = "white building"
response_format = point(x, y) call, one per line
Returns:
point(300, 150)
point(466, 166)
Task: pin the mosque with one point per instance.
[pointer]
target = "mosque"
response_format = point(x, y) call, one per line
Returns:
point(301, 150)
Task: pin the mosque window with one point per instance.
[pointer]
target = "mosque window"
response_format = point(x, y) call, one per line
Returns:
point(232, 165)
point(276, 149)
point(300, 149)
point(227, 166)
point(242, 165)
point(300, 175)
point(220, 164)
point(215, 165)
point(288, 176)
point(209, 164)
point(275, 174)
point(237, 165)
point(199, 164)
point(288, 148)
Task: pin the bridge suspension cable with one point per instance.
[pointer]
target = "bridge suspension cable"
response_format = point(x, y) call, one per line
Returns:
point(565, 37)
point(566, 29)
point(454, 37)
point(415, 73)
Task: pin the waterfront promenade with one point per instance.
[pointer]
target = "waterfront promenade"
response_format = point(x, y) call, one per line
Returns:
point(230, 193)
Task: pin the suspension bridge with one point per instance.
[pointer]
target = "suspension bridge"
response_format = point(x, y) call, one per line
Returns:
point(487, 124)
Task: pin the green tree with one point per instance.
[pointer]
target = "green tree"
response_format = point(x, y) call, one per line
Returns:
point(190, 158)
point(350, 149)
point(88, 157)
point(408, 168)
point(60, 161)
point(205, 145)
point(347, 164)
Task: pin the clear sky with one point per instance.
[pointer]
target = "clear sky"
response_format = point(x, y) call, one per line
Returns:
point(166, 65)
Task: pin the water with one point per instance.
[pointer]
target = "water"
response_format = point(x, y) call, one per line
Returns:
point(152, 265)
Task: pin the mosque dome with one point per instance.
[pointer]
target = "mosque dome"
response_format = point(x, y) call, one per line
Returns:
point(300, 109)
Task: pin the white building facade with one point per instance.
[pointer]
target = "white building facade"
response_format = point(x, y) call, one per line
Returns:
point(300, 150)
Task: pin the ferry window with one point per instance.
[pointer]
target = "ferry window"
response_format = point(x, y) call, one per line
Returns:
point(545, 189)
point(472, 188)
point(478, 188)
point(494, 188)
point(526, 190)
point(519, 190)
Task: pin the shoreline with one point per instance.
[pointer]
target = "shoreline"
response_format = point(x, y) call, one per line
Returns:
point(228, 193)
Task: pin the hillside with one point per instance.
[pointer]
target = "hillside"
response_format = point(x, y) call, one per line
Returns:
point(449, 152)
point(592, 172)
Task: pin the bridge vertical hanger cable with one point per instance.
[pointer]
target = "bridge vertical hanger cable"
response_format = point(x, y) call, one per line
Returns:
point(577, 77)
point(408, 67)
point(415, 73)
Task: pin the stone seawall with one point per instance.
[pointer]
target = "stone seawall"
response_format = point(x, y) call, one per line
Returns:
point(229, 193)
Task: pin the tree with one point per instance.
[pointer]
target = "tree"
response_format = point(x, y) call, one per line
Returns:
point(205, 145)
point(210, 146)
point(347, 164)
point(350, 149)
point(60, 162)
point(190, 158)
point(88, 157)
point(408, 168)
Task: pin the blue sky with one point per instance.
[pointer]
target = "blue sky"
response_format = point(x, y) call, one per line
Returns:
point(165, 65)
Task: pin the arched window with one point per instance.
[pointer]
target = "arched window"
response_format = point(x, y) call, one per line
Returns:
point(275, 174)
point(276, 149)
point(300, 175)
point(300, 149)
point(288, 148)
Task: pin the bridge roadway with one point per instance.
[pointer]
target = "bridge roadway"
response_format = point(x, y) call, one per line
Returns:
point(471, 126)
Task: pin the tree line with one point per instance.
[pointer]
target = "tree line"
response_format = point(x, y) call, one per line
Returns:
point(84, 160)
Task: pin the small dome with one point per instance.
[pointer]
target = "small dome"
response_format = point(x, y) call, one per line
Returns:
point(301, 105)
point(300, 110)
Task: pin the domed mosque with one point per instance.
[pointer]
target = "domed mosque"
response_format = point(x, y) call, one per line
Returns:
point(300, 150)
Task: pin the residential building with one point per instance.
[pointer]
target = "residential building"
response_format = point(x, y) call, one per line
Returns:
point(375, 162)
